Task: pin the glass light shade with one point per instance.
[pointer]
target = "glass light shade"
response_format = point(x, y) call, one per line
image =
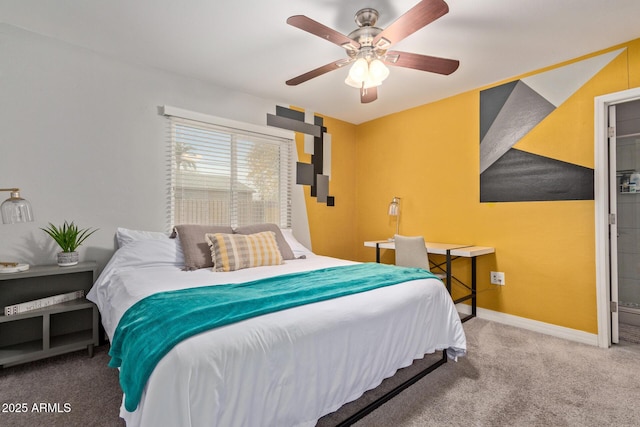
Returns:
point(378, 71)
point(349, 81)
point(394, 210)
point(359, 70)
point(371, 82)
point(394, 207)
point(366, 84)
point(16, 209)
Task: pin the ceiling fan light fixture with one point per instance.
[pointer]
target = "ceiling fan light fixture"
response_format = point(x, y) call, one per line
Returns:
point(359, 70)
point(378, 71)
point(350, 82)
point(367, 47)
point(371, 82)
point(383, 44)
point(366, 74)
point(365, 84)
point(350, 47)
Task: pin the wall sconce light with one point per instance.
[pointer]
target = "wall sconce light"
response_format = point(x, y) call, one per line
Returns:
point(15, 208)
point(394, 210)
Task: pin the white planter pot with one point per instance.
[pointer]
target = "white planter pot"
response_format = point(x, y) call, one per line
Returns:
point(66, 259)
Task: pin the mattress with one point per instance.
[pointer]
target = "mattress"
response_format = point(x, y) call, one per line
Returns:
point(287, 368)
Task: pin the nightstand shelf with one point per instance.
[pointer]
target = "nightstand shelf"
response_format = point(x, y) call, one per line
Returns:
point(53, 330)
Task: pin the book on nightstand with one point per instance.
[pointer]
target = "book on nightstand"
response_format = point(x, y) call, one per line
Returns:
point(42, 303)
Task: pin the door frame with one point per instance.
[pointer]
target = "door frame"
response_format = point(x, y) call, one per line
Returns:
point(601, 193)
point(612, 154)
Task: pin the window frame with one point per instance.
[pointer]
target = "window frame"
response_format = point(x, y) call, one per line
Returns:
point(237, 131)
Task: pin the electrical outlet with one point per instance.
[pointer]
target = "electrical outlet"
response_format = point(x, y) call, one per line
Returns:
point(497, 278)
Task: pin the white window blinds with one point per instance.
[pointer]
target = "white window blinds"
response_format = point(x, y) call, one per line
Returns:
point(228, 176)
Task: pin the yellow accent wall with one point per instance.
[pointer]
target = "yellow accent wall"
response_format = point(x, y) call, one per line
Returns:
point(429, 157)
point(332, 229)
point(564, 133)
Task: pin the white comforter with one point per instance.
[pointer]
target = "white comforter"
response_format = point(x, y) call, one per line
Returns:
point(287, 368)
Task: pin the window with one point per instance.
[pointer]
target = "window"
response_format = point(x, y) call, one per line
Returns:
point(225, 175)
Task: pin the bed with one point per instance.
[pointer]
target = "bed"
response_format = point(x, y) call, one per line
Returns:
point(283, 368)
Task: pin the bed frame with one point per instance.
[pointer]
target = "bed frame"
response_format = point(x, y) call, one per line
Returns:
point(398, 389)
point(392, 393)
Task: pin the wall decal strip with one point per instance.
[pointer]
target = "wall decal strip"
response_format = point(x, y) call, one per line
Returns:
point(317, 142)
point(292, 124)
point(309, 145)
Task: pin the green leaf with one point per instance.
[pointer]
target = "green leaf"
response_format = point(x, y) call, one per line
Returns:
point(68, 236)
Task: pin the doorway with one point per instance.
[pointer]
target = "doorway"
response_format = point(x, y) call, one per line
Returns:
point(617, 167)
point(627, 201)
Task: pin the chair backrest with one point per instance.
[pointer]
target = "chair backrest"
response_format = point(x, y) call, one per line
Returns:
point(411, 251)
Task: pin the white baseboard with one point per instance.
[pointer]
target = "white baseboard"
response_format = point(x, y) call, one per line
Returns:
point(532, 325)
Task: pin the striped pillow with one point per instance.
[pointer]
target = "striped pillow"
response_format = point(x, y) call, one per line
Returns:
point(236, 251)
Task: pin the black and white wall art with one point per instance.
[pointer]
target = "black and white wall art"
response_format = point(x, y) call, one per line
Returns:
point(511, 173)
point(317, 143)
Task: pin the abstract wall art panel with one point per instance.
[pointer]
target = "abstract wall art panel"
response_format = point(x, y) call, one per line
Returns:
point(322, 183)
point(508, 113)
point(304, 173)
point(309, 144)
point(519, 176)
point(317, 142)
point(521, 111)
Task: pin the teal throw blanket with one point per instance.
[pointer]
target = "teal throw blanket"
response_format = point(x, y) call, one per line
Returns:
point(154, 325)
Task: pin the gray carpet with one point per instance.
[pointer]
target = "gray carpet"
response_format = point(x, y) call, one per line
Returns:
point(514, 377)
point(86, 384)
point(629, 333)
point(511, 377)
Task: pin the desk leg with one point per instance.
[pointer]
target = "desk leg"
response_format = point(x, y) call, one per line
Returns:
point(449, 271)
point(473, 286)
point(377, 252)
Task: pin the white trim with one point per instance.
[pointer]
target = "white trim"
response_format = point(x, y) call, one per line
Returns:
point(612, 197)
point(532, 325)
point(168, 110)
point(601, 195)
point(299, 216)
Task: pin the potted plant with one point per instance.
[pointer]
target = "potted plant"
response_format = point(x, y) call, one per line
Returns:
point(68, 237)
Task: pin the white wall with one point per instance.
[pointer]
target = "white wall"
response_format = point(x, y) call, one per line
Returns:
point(81, 136)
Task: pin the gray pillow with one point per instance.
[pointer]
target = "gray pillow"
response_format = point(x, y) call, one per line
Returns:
point(194, 243)
point(284, 247)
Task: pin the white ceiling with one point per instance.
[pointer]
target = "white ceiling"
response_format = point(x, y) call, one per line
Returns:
point(247, 45)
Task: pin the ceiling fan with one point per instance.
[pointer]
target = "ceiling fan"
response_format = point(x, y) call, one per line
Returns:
point(367, 47)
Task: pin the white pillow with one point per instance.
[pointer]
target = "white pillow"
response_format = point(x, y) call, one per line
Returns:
point(150, 252)
point(298, 248)
point(125, 235)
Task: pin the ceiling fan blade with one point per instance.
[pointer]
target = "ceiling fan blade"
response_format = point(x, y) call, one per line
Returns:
point(415, 18)
point(317, 72)
point(432, 64)
point(368, 95)
point(322, 31)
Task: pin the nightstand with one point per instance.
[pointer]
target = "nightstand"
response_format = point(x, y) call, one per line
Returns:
point(53, 330)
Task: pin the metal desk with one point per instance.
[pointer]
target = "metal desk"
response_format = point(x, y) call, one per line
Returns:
point(451, 251)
